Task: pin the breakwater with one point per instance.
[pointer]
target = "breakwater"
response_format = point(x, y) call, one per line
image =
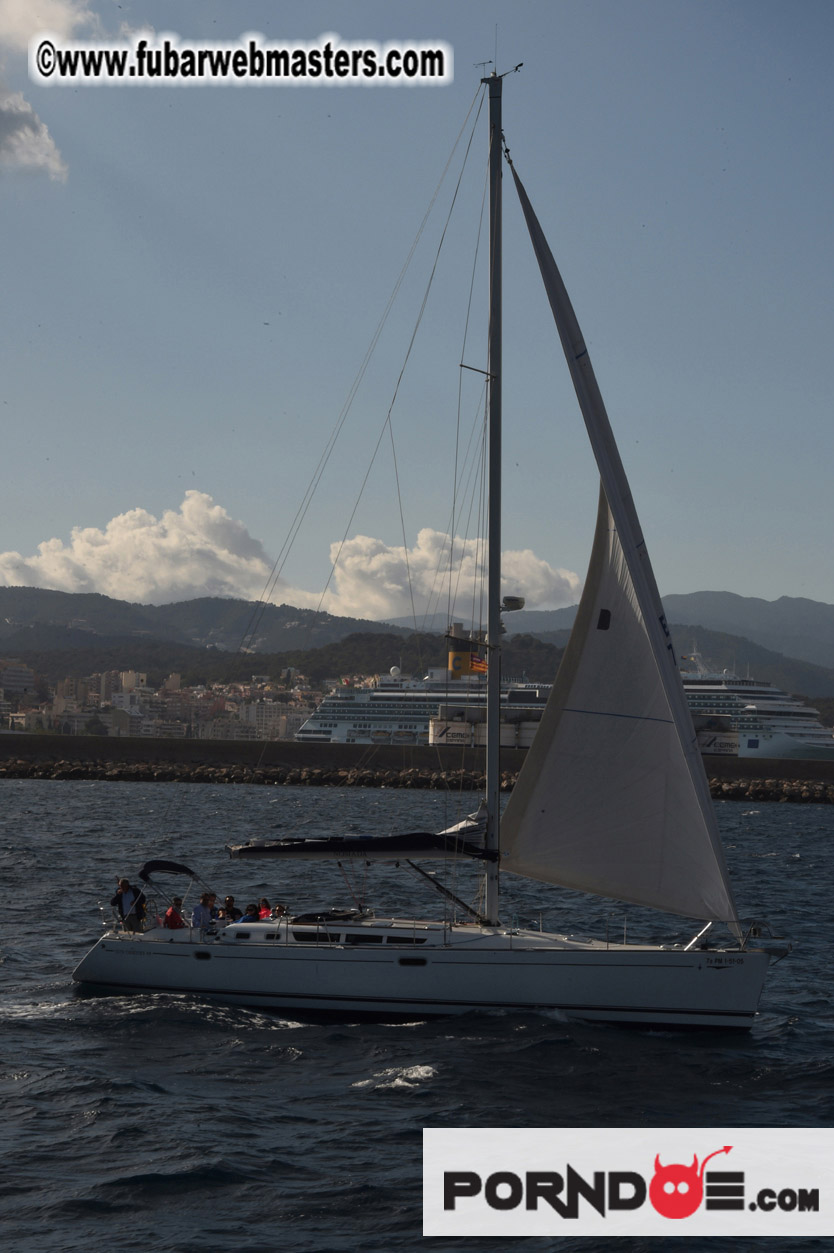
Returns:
point(276, 776)
point(807, 782)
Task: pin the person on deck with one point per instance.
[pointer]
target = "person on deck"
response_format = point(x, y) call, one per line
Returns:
point(264, 908)
point(173, 916)
point(230, 909)
point(201, 915)
point(251, 914)
point(130, 903)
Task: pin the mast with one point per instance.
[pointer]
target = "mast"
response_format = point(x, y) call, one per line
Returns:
point(493, 759)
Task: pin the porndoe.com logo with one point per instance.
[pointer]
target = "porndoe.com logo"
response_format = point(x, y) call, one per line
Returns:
point(628, 1181)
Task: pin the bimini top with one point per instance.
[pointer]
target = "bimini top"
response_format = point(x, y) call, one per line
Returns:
point(168, 867)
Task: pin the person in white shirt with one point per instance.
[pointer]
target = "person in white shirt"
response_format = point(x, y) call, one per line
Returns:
point(201, 914)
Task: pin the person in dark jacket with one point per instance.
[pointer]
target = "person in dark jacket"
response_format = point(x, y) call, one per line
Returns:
point(130, 903)
point(230, 910)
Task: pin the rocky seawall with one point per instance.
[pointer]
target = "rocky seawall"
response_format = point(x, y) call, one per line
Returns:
point(374, 774)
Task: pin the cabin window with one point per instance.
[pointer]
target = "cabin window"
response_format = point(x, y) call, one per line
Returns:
point(202, 955)
point(604, 620)
point(413, 961)
point(363, 937)
point(315, 937)
point(243, 935)
point(406, 939)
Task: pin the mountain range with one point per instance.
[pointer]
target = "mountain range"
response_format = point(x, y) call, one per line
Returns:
point(792, 625)
point(43, 618)
point(789, 642)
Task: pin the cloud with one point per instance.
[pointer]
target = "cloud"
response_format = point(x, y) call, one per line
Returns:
point(199, 550)
point(372, 578)
point(196, 551)
point(21, 19)
point(25, 142)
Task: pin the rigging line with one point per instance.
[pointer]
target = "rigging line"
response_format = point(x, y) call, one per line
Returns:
point(306, 500)
point(457, 454)
point(323, 461)
point(444, 891)
point(457, 472)
point(474, 465)
point(477, 581)
point(452, 595)
point(349, 885)
point(486, 503)
point(387, 423)
point(475, 493)
point(460, 376)
point(456, 577)
point(462, 489)
point(468, 312)
point(478, 591)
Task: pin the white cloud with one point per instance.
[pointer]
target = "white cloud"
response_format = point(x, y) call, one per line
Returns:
point(195, 551)
point(25, 142)
point(199, 550)
point(21, 19)
point(372, 579)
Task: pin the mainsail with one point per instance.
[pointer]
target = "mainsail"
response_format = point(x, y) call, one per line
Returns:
point(416, 844)
point(613, 798)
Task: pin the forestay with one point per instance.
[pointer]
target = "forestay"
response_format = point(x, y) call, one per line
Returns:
point(612, 798)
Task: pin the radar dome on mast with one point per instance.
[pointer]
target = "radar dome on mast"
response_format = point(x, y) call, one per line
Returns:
point(511, 604)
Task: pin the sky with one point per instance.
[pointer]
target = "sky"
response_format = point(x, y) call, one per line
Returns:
point(192, 276)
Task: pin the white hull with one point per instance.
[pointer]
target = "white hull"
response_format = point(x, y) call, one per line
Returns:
point(784, 748)
point(431, 969)
point(771, 747)
point(753, 719)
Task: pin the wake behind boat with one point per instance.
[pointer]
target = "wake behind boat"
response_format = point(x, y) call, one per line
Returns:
point(612, 800)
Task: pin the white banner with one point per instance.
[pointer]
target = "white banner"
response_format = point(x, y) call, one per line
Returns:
point(628, 1181)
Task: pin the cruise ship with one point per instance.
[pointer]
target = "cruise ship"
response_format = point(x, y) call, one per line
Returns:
point(440, 708)
point(732, 716)
point(748, 718)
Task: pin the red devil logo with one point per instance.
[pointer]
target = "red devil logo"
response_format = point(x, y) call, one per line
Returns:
point(676, 1191)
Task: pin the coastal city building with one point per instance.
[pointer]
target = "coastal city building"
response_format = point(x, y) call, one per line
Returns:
point(15, 678)
point(123, 703)
point(732, 716)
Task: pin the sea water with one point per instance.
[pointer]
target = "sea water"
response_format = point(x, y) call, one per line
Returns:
point(168, 1123)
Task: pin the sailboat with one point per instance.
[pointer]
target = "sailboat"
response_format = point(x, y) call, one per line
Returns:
point(612, 801)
